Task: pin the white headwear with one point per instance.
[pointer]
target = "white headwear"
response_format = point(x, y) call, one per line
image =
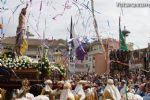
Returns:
point(67, 85)
point(130, 96)
point(29, 96)
point(66, 92)
point(47, 87)
point(41, 97)
point(79, 91)
point(123, 90)
point(110, 81)
point(137, 97)
point(22, 98)
point(114, 92)
point(48, 82)
point(82, 82)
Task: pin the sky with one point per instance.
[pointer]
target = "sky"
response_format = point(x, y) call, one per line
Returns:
point(53, 19)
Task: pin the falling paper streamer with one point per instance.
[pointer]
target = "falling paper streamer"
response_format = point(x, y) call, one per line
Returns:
point(66, 6)
point(2, 27)
point(22, 1)
point(41, 5)
point(37, 25)
point(13, 12)
point(87, 23)
point(30, 1)
point(45, 25)
point(28, 18)
point(9, 19)
point(54, 18)
point(77, 7)
point(47, 4)
point(16, 8)
point(86, 6)
point(3, 2)
point(108, 23)
point(3, 9)
point(122, 11)
point(34, 30)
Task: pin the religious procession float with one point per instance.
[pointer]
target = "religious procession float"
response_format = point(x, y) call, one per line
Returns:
point(14, 69)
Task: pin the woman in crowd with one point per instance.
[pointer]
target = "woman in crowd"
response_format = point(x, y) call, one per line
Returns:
point(24, 89)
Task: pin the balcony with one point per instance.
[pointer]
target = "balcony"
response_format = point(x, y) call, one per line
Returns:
point(33, 53)
point(95, 52)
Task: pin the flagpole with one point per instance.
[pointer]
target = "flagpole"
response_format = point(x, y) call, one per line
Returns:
point(119, 29)
point(1, 27)
point(96, 28)
point(69, 54)
point(120, 32)
point(70, 48)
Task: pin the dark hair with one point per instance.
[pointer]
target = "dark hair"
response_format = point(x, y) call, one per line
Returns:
point(23, 11)
point(148, 85)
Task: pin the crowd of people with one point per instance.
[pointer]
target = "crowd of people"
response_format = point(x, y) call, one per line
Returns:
point(86, 87)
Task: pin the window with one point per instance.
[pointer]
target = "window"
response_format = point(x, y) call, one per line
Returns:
point(87, 65)
point(93, 58)
point(86, 58)
point(90, 59)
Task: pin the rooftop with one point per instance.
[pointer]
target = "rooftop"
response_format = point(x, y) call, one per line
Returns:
point(34, 42)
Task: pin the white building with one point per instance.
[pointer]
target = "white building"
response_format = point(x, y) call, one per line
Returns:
point(88, 64)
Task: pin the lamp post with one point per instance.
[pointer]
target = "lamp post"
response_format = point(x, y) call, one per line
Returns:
point(125, 32)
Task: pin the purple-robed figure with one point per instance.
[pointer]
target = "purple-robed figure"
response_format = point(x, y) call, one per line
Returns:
point(81, 51)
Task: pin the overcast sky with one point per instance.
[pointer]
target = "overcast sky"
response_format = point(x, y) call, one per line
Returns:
point(54, 21)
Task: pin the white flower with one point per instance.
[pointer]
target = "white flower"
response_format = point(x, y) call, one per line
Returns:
point(34, 61)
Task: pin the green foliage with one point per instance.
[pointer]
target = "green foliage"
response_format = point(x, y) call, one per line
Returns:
point(9, 60)
point(62, 69)
point(44, 65)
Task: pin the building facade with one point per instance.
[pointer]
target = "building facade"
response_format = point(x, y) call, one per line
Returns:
point(89, 64)
point(57, 51)
point(35, 47)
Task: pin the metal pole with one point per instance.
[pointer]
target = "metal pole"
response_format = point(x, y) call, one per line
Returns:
point(70, 57)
